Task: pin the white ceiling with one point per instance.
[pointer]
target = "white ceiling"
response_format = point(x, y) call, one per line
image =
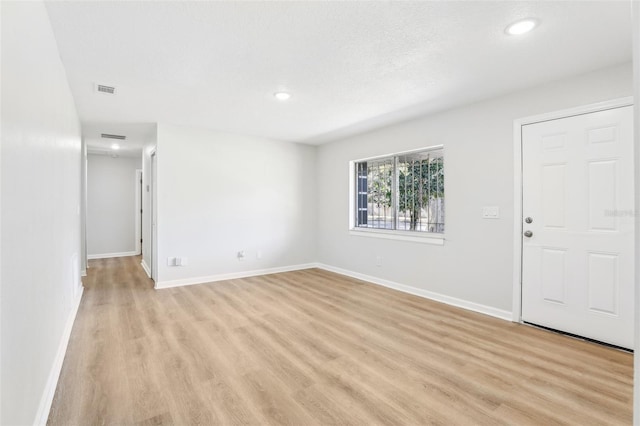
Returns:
point(137, 136)
point(350, 66)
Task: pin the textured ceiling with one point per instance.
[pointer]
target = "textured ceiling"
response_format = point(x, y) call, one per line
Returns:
point(350, 66)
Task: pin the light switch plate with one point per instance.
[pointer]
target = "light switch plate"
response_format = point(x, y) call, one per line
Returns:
point(490, 212)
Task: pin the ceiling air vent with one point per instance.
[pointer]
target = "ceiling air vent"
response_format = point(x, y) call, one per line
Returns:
point(108, 90)
point(109, 136)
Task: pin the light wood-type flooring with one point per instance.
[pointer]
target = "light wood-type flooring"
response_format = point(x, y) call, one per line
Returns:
point(312, 347)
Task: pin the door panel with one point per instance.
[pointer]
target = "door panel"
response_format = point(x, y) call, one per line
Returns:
point(577, 267)
point(602, 184)
point(554, 195)
point(603, 283)
point(554, 278)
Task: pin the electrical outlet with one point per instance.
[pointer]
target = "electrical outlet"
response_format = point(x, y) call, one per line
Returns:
point(259, 254)
point(177, 261)
point(378, 260)
point(241, 255)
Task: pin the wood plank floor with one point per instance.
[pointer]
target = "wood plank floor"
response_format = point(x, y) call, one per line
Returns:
point(312, 347)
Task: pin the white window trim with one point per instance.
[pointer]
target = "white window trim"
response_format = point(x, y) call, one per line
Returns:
point(399, 153)
point(388, 234)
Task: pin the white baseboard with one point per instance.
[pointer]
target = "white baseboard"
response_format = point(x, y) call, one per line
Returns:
point(232, 276)
point(52, 382)
point(109, 255)
point(146, 268)
point(453, 301)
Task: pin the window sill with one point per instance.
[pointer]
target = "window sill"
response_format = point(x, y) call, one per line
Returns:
point(427, 238)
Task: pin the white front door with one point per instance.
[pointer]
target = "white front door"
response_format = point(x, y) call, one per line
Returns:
point(577, 244)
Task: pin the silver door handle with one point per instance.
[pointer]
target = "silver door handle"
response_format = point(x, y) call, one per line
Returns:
point(528, 234)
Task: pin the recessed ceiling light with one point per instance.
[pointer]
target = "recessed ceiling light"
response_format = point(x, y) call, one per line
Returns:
point(115, 147)
point(521, 27)
point(282, 96)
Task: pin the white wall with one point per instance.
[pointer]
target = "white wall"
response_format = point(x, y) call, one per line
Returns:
point(40, 212)
point(475, 263)
point(111, 205)
point(220, 193)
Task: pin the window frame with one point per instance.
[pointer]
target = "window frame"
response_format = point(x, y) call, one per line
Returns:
point(424, 237)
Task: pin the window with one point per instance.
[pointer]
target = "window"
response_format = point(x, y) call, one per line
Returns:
point(401, 192)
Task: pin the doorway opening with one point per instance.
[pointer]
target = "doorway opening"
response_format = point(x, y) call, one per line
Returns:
point(153, 216)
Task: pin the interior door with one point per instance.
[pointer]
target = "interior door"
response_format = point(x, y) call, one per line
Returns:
point(577, 243)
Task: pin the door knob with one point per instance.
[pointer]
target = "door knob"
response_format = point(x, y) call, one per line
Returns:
point(529, 220)
point(528, 234)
